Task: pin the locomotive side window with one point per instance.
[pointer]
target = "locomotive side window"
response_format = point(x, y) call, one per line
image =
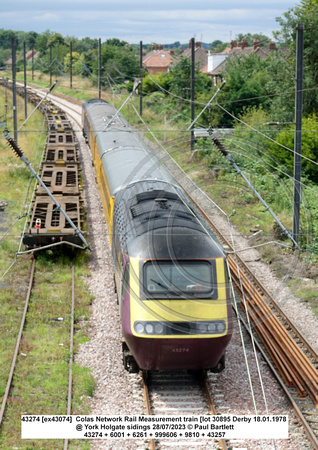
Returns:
point(125, 280)
point(185, 279)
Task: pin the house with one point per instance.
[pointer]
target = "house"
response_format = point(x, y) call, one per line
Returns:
point(217, 61)
point(28, 57)
point(158, 60)
point(200, 54)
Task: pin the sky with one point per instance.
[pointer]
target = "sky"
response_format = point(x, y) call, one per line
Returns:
point(162, 22)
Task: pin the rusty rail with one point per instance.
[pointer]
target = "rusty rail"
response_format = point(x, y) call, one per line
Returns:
point(148, 408)
point(294, 366)
point(212, 410)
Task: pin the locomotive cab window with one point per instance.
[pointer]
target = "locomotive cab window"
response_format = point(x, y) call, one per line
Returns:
point(180, 279)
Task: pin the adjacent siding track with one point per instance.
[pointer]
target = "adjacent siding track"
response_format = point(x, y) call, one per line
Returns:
point(294, 362)
point(34, 318)
point(286, 350)
point(15, 354)
point(300, 383)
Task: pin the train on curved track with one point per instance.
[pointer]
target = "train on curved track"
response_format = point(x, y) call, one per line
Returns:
point(171, 273)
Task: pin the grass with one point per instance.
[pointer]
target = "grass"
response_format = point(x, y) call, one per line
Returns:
point(41, 378)
point(226, 188)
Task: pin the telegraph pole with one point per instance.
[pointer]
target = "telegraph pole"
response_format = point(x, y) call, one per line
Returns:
point(192, 89)
point(71, 65)
point(14, 90)
point(298, 128)
point(140, 72)
point(50, 64)
point(99, 68)
point(32, 62)
point(25, 83)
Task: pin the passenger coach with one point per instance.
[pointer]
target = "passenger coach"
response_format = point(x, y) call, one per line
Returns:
point(171, 274)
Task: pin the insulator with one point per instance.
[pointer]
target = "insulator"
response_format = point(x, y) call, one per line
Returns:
point(15, 147)
point(219, 145)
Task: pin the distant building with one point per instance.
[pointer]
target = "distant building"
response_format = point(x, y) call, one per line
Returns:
point(28, 57)
point(200, 54)
point(158, 60)
point(217, 61)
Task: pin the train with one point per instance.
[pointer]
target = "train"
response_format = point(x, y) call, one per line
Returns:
point(171, 274)
point(60, 171)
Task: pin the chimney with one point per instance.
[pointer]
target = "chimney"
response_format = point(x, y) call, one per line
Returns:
point(272, 46)
point(256, 44)
point(243, 44)
point(197, 44)
point(233, 44)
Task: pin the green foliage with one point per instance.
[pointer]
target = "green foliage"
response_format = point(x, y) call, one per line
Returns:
point(41, 42)
point(77, 63)
point(119, 61)
point(264, 40)
point(180, 75)
point(310, 227)
point(55, 39)
point(218, 46)
point(20, 36)
point(247, 78)
point(285, 139)
point(306, 14)
point(153, 83)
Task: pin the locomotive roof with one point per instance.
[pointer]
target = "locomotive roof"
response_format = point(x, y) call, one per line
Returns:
point(125, 157)
point(156, 220)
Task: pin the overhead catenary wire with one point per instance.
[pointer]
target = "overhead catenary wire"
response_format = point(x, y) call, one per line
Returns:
point(264, 135)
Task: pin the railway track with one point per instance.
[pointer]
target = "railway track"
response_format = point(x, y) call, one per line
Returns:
point(28, 388)
point(287, 350)
point(301, 392)
point(292, 359)
point(48, 314)
point(179, 393)
point(54, 222)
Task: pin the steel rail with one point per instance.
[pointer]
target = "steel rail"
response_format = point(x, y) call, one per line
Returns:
point(302, 373)
point(148, 408)
point(273, 352)
point(306, 372)
point(14, 359)
point(309, 432)
point(212, 410)
point(272, 303)
point(70, 375)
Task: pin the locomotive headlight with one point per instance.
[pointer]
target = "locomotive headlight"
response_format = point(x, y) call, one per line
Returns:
point(149, 328)
point(159, 328)
point(211, 327)
point(221, 327)
point(202, 328)
point(139, 328)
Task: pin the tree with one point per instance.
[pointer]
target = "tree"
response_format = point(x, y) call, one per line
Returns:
point(305, 13)
point(77, 63)
point(118, 61)
point(247, 79)
point(41, 42)
point(264, 40)
point(309, 147)
point(180, 75)
point(5, 39)
point(55, 39)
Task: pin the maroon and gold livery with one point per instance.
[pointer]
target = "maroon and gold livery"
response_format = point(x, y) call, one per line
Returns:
point(171, 273)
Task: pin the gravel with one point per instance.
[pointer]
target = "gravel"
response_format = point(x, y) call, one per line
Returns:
point(118, 392)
